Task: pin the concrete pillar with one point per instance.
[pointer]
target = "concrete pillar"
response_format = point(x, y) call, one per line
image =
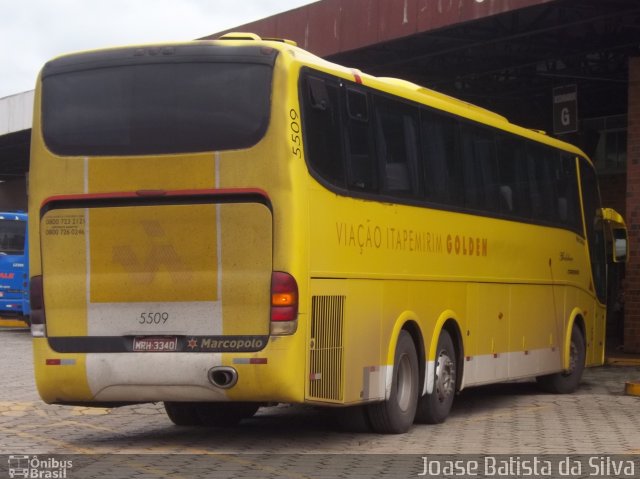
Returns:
point(632, 283)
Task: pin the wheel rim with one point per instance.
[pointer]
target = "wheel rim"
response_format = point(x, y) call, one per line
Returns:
point(404, 385)
point(445, 376)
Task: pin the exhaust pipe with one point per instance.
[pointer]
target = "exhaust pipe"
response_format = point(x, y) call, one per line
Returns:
point(223, 377)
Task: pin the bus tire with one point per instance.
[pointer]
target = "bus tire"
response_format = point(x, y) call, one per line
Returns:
point(567, 381)
point(396, 415)
point(434, 408)
point(182, 413)
point(225, 414)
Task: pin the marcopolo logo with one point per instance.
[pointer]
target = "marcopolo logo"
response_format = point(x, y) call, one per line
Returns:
point(226, 344)
point(37, 468)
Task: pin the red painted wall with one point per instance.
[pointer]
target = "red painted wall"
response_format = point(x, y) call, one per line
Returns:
point(328, 27)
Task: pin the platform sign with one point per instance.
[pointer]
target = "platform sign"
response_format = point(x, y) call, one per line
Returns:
point(565, 109)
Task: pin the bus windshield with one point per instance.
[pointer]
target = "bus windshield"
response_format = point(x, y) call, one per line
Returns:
point(176, 100)
point(12, 235)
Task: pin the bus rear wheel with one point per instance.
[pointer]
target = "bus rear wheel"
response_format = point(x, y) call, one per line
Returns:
point(568, 381)
point(434, 408)
point(182, 413)
point(396, 415)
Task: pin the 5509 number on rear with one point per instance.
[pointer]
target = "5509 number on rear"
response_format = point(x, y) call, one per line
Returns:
point(153, 318)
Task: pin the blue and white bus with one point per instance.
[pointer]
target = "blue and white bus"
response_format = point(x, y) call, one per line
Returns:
point(14, 266)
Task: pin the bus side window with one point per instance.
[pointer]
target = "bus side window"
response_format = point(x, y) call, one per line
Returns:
point(318, 94)
point(443, 180)
point(566, 185)
point(535, 195)
point(508, 176)
point(357, 105)
point(544, 194)
point(361, 160)
point(515, 195)
point(323, 129)
point(397, 143)
point(481, 184)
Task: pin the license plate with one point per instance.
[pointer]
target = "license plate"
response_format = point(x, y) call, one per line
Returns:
point(151, 344)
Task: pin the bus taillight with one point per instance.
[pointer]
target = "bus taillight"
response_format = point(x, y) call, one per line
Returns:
point(36, 298)
point(284, 303)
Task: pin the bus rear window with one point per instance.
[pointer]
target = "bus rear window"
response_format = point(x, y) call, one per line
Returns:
point(183, 103)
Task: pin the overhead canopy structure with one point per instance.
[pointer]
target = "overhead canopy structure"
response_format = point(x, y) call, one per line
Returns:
point(506, 55)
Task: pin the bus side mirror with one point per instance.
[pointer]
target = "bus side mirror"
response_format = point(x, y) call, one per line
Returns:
point(619, 237)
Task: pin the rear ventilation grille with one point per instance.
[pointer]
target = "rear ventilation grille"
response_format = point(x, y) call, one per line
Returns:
point(325, 365)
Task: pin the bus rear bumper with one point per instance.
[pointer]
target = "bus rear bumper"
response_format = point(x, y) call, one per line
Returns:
point(266, 376)
point(11, 308)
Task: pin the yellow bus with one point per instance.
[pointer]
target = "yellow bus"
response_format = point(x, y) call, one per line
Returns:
point(220, 225)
